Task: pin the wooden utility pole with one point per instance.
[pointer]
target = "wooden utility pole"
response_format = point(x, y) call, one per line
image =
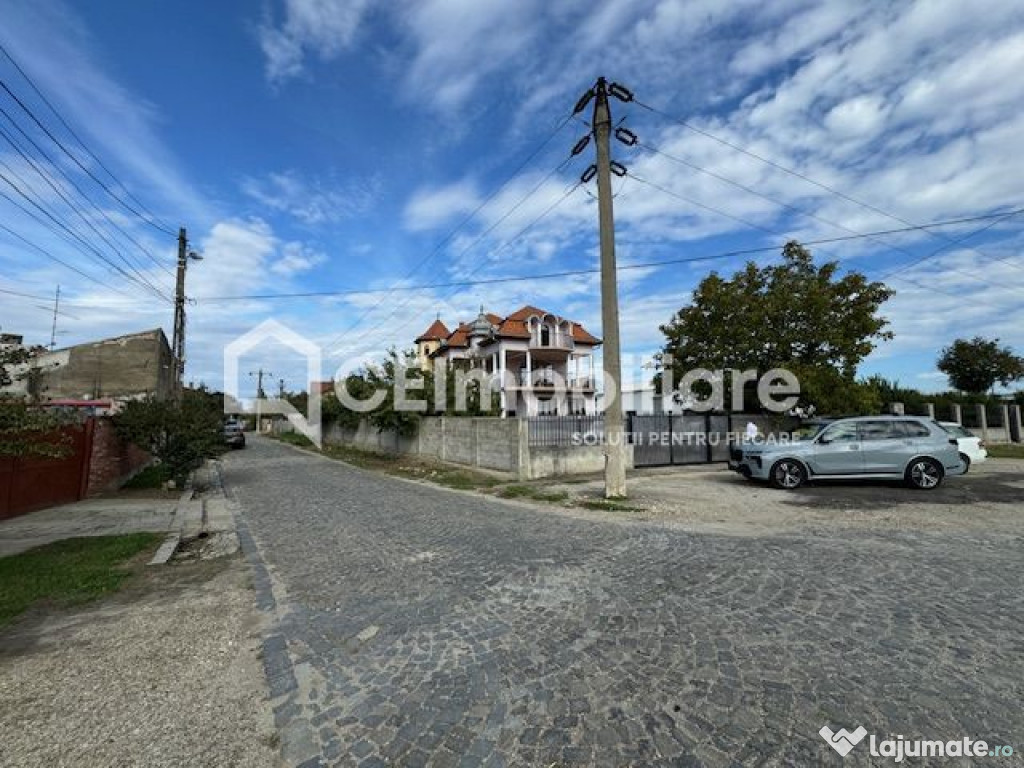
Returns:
point(615, 449)
point(178, 344)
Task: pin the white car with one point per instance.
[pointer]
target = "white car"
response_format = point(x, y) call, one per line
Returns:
point(972, 449)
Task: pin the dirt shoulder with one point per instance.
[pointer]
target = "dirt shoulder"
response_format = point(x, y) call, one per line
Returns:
point(166, 672)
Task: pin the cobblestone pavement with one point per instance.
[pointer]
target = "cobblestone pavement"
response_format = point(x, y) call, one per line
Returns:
point(415, 626)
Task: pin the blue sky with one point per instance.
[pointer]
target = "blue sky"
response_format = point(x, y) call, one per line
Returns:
point(313, 145)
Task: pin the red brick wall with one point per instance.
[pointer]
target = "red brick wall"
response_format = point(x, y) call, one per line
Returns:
point(113, 461)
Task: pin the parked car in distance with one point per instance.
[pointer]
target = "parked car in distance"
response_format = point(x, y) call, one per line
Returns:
point(972, 448)
point(234, 435)
point(917, 450)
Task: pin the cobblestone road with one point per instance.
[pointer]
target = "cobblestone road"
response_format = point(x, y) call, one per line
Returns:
point(420, 627)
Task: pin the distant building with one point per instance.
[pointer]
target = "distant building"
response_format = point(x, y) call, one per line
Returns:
point(125, 367)
point(530, 355)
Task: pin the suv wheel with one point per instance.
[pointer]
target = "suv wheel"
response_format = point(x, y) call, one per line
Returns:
point(788, 474)
point(966, 461)
point(924, 474)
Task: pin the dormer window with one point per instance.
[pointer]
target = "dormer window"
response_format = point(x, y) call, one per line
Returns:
point(545, 336)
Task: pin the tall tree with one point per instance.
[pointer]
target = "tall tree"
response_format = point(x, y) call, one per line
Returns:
point(975, 366)
point(794, 315)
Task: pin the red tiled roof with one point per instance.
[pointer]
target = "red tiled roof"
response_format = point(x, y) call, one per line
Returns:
point(514, 327)
point(435, 332)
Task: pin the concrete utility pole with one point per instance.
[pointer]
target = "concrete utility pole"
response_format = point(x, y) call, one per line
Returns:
point(280, 389)
point(178, 344)
point(615, 449)
point(259, 374)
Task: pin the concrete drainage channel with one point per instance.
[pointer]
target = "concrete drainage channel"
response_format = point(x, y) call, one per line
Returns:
point(203, 527)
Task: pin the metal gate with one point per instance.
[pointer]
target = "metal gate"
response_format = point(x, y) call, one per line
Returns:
point(28, 483)
point(689, 438)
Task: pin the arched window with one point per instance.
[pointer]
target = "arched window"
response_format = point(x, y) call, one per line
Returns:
point(545, 335)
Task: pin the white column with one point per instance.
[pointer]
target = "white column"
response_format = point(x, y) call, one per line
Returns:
point(501, 379)
point(529, 367)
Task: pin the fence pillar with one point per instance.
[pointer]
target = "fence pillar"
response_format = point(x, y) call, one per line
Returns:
point(1004, 413)
point(444, 439)
point(1014, 429)
point(930, 408)
point(523, 452)
point(982, 420)
point(897, 409)
point(956, 413)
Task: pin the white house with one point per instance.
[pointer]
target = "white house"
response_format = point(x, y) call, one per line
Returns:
point(540, 363)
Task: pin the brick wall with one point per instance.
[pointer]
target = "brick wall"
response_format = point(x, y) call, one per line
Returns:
point(112, 461)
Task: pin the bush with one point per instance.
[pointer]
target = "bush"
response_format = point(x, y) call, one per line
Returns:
point(181, 434)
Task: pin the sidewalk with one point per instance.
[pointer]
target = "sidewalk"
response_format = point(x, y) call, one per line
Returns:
point(92, 517)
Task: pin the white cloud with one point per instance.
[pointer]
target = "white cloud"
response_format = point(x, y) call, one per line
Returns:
point(323, 27)
point(312, 201)
point(432, 207)
point(296, 259)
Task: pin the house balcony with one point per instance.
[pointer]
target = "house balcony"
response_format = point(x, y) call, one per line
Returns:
point(560, 343)
point(543, 381)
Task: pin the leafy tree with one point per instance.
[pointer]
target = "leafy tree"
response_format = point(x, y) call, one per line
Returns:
point(794, 315)
point(26, 430)
point(180, 435)
point(975, 366)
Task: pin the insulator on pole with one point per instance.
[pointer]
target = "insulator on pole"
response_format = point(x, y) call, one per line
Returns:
point(626, 136)
point(617, 168)
point(620, 92)
point(584, 100)
point(581, 145)
point(588, 174)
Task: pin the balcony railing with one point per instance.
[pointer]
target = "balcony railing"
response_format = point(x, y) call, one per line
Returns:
point(554, 342)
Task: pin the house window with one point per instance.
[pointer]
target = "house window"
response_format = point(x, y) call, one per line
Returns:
point(545, 336)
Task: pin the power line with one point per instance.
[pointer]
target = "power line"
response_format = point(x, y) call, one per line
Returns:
point(61, 234)
point(770, 199)
point(133, 266)
point(951, 243)
point(624, 267)
point(691, 201)
point(344, 334)
point(81, 165)
point(47, 177)
point(796, 174)
point(78, 138)
point(24, 295)
point(501, 249)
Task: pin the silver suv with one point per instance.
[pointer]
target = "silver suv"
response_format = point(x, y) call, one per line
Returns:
point(881, 447)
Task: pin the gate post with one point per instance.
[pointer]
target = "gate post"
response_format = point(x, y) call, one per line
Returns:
point(671, 442)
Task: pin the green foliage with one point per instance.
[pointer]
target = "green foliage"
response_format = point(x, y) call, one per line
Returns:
point(153, 476)
point(975, 366)
point(27, 430)
point(67, 572)
point(1005, 451)
point(295, 438)
point(419, 386)
point(794, 315)
point(180, 435)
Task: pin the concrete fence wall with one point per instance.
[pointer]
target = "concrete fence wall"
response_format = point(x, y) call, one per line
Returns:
point(486, 442)
point(1002, 424)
